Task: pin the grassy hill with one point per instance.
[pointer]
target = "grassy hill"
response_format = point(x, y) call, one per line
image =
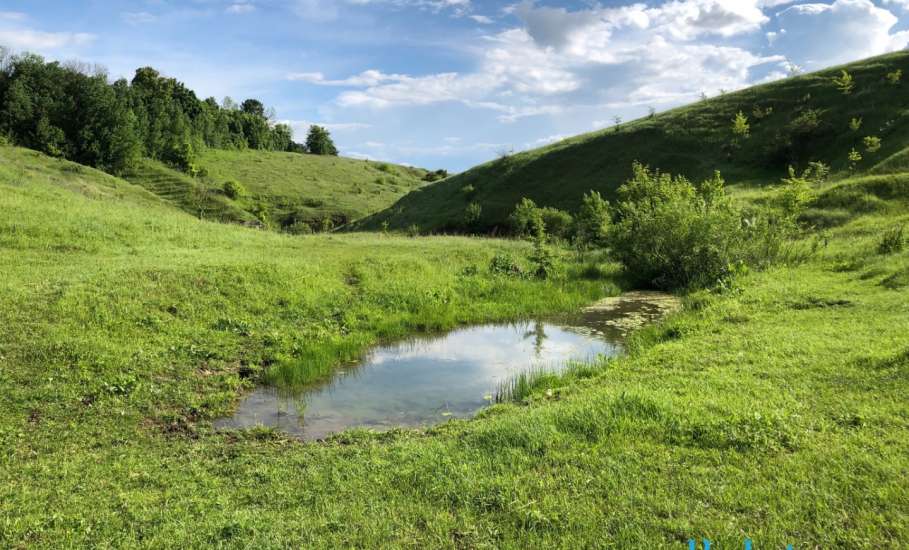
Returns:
point(281, 188)
point(793, 121)
point(126, 326)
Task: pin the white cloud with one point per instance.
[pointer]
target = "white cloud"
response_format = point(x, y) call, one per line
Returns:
point(482, 19)
point(12, 16)
point(861, 30)
point(32, 40)
point(239, 8)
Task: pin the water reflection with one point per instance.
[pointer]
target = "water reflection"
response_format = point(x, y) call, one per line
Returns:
point(427, 380)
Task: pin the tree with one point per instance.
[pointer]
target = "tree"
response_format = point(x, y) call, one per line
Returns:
point(740, 127)
point(592, 221)
point(854, 158)
point(844, 82)
point(253, 107)
point(527, 219)
point(319, 142)
point(895, 77)
point(472, 214)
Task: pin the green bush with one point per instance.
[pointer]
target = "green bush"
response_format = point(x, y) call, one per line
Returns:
point(558, 223)
point(472, 214)
point(527, 219)
point(234, 189)
point(505, 264)
point(592, 221)
point(670, 233)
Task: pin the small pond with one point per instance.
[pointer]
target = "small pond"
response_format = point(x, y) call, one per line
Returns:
point(428, 380)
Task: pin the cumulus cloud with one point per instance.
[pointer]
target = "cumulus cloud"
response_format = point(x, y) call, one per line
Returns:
point(861, 29)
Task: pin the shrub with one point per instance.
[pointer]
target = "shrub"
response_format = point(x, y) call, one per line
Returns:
point(234, 189)
point(527, 219)
point(872, 144)
point(469, 190)
point(670, 233)
point(472, 214)
point(855, 124)
point(854, 158)
point(592, 221)
point(413, 230)
point(844, 83)
point(795, 193)
point(740, 126)
point(892, 241)
point(558, 223)
point(895, 77)
point(542, 258)
point(505, 264)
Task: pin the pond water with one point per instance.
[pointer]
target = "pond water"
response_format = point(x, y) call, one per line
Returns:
point(428, 380)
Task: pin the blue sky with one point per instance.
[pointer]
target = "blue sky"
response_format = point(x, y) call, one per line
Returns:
point(452, 83)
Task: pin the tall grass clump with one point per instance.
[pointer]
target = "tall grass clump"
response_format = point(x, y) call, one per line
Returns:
point(670, 233)
point(892, 241)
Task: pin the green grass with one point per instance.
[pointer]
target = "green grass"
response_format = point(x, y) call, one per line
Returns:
point(312, 187)
point(693, 140)
point(282, 188)
point(774, 410)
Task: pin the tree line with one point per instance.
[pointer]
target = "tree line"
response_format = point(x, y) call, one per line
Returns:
point(73, 111)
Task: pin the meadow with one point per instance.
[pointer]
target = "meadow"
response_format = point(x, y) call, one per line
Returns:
point(773, 409)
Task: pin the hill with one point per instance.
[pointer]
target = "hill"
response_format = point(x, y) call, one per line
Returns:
point(127, 325)
point(792, 122)
point(280, 189)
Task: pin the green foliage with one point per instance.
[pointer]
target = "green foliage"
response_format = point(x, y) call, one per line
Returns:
point(740, 127)
point(505, 265)
point(894, 77)
point(413, 231)
point(872, 144)
point(234, 189)
point(854, 158)
point(72, 111)
point(472, 214)
point(892, 241)
point(319, 142)
point(469, 190)
point(542, 258)
point(435, 176)
point(796, 192)
point(845, 83)
point(558, 223)
point(670, 233)
point(592, 221)
point(855, 124)
point(527, 219)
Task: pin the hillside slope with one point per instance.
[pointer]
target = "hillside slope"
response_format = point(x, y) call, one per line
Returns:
point(792, 121)
point(281, 188)
point(126, 326)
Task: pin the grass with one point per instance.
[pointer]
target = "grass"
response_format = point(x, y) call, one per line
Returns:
point(310, 188)
point(693, 140)
point(281, 188)
point(774, 409)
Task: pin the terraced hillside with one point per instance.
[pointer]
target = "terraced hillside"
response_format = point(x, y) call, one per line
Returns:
point(791, 122)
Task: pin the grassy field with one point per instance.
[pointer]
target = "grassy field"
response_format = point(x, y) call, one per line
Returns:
point(792, 121)
point(775, 410)
point(281, 188)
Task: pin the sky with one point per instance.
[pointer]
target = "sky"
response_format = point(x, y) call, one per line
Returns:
point(453, 83)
